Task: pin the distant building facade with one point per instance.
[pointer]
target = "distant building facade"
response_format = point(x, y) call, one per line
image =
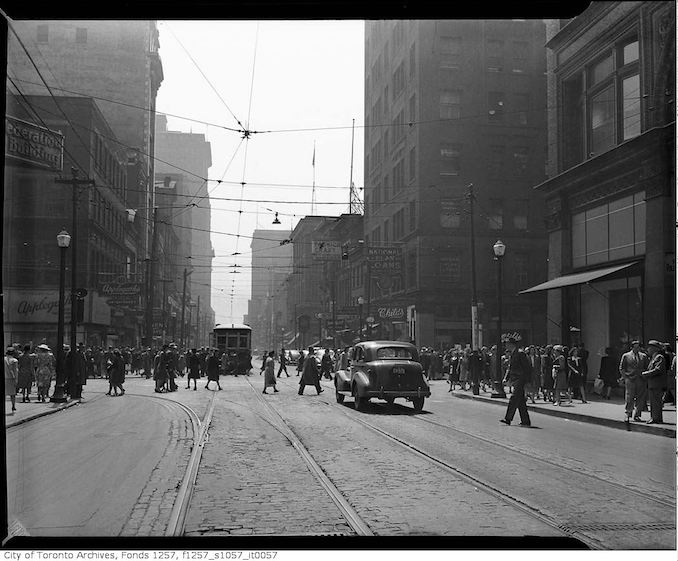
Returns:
point(181, 170)
point(267, 307)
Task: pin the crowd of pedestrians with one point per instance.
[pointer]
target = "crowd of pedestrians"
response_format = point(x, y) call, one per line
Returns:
point(554, 373)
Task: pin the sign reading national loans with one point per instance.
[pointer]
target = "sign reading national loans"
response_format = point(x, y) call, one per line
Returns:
point(36, 145)
point(385, 259)
point(326, 250)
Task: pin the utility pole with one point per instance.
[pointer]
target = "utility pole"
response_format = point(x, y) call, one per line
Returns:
point(197, 324)
point(474, 295)
point(183, 306)
point(74, 182)
point(151, 282)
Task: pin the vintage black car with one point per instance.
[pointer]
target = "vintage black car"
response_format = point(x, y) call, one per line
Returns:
point(385, 370)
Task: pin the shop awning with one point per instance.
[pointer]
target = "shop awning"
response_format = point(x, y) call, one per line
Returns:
point(292, 340)
point(577, 278)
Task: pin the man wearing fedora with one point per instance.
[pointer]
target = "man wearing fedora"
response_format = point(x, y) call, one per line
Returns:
point(518, 374)
point(656, 380)
point(631, 366)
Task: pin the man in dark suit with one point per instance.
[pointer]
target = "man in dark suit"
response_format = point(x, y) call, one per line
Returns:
point(518, 374)
point(656, 381)
point(631, 366)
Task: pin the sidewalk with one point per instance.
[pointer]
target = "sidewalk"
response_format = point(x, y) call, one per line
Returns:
point(34, 409)
point(596, 411)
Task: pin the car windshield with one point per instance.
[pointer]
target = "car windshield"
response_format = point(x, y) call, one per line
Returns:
point(395, 352)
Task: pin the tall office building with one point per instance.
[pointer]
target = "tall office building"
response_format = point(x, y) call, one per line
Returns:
point(183, 161)
point(449, 104)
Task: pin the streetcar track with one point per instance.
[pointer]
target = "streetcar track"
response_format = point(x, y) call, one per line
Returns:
point(355, 521)
point(641, 494)
point(530, 510)
point(470, 479)
point(663, 502)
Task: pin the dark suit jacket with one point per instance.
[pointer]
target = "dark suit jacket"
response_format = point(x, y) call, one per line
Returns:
point(519, 368)
point(656, 373)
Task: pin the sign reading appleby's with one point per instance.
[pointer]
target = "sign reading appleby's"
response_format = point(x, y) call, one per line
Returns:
point(119, 290)
point(36, 145)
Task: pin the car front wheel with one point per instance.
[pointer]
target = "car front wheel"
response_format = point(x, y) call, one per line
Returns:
point(360, 403)
point(340, 397)
point(418, 403)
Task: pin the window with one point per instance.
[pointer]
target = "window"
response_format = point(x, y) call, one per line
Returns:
point(615, 230)
point(521, 55)
point(385, 144)
point(495, 55)
point(399, 176)
point(520, 215)
point(387, 230)
point(42, 34)
point(413, 163)
point(398, 80)
point(449, 269)
point(495, 220)
point(411, 274)
point(601, 104)
point(520, 109)
point(413, 59)
point(449, 159)
point(495, 107)
point(450, 101)
point(81, 35)
point(450, 214)
point(413, 215)
point(399, 127)
point(521, 263)
point(520, 160)
point(496, 160)
point(413, 114)
point(450, 47)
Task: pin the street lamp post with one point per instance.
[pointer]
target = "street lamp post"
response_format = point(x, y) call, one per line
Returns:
point(361, 301)
point(63, 241)
point(499, 250)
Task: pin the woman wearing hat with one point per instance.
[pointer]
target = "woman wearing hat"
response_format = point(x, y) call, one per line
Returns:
point(560, 382)
point(26, 372)
point(11, 375)
point(45, 370)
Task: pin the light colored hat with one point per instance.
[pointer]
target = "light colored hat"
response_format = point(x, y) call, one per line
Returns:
point(654, 343)
point(43, 347)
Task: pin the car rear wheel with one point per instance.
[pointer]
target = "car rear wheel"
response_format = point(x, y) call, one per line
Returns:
point(360, 403)
point(418, 403)
point(340, 397)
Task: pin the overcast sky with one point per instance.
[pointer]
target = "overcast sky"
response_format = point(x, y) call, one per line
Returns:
point(270, 76)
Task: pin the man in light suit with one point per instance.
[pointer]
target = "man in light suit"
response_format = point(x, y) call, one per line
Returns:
point(656, 381)
point(631, 367)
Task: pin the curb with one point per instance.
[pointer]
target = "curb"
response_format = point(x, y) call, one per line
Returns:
point(42, 414)
point(612, 423)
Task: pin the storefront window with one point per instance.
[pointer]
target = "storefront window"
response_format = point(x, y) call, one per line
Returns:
point(612, 231)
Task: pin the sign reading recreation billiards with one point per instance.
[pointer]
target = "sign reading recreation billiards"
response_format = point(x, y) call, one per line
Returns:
point(32, 144)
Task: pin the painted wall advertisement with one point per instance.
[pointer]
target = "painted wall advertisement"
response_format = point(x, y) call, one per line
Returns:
point(32, 144)
point(23, 305)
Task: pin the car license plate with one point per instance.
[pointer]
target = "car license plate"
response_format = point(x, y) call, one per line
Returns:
point(398, 370)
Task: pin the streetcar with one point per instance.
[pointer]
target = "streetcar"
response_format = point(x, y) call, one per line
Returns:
point(235, 341)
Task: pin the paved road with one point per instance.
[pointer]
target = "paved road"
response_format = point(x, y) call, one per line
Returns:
point(97, 468)
point(251, 481)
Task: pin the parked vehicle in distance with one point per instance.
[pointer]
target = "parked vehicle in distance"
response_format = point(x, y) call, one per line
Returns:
point(293, 357)
point(385, 370)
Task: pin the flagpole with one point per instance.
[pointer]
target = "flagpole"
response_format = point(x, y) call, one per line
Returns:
point(313, 191)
